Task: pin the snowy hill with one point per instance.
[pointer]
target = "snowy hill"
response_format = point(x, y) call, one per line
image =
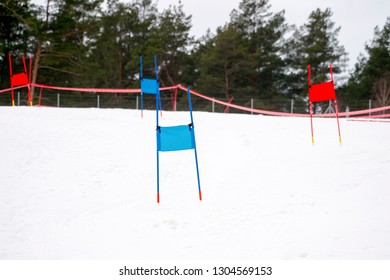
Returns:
point(81, 184)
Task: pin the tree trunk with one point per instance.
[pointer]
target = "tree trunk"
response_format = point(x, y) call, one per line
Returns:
point(38, 54)
point(36, 67)
point(227, 86)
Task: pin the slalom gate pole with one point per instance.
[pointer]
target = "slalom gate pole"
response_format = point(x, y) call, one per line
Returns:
point(158, 176)
point(30, 70)
point(336, 106)
point(338, 123)
point(158, 88)
point(196, 154)
point(311, 123)
point(160, 104)
point(28, 86)
point(157, 131)
point(10, 73)
point(29, 82)
point(197, 173)
point(140, 78)
point(311, 104)
point(29, 97)
point(142, 104)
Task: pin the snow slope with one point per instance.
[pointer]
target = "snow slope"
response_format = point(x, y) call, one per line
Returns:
point(81, 184)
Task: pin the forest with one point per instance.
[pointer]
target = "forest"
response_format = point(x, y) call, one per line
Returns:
point(256, 55)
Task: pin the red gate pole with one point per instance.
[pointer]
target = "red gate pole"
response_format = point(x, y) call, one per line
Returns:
point(10, 73)
point(310, 105)
point(336, 106)
point(337, 117)
point(30, 70)
point(30, 80)
point(311, 123)
point(28, 85)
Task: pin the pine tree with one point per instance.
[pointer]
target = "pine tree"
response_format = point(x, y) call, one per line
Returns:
point(69, 26)
point(372, 68)
point(114, 45)
point(16, 20)
point(222, 62)
point(245, 58)
point(263, 33)
point(175, 41)
point(314, 43)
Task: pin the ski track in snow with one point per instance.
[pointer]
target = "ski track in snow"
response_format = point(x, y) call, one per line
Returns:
point(81, 184)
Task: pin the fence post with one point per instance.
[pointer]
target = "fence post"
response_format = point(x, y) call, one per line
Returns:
point(136, 102)
point(292, 106)
point(175, 100)
point(252, 106)
point(369, 106)
point(58, 100)
point(213, 106)
point(98, 101)
point(18, 98)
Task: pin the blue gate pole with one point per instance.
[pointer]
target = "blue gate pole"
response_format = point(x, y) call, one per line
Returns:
point(158, 159)
point(196, 154)
point(158, 88)
point(142, 104)
point(157, 131)
point(140, 78)
point(197, 171)
point(158, 176)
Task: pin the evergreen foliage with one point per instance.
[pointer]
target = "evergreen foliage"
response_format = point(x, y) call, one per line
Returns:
point(257, 54)
point(372, 68)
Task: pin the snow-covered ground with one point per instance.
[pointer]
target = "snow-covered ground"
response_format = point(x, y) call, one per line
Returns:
point(81, 184)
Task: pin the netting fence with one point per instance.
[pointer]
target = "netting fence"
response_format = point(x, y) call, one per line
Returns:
point(174, 99)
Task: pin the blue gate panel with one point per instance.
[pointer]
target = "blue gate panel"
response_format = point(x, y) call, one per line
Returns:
point(175, 138)
point(149, 86)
